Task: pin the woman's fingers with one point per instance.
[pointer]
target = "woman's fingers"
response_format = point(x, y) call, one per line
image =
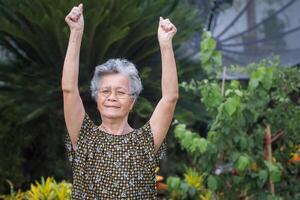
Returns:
point(166, 25)
point(75, 13)
point(77, 10)
point(72, 17)
point(166, 31)
point(81, 8)
point(75, 18)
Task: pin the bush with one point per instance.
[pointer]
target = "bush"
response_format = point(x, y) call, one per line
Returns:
point(45, 190)
point(235, 155)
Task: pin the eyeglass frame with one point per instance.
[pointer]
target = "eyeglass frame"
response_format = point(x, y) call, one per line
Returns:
point(110, 91)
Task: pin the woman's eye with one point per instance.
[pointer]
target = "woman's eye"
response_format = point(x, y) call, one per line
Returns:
point(120, 92)
point(105, 91)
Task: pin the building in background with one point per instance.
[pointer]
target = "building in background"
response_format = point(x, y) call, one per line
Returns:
point(247, 31)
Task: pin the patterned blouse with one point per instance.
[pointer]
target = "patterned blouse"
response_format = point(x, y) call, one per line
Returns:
point(107, 166)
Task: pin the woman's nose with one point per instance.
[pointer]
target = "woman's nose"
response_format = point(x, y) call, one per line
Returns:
point(112, 96)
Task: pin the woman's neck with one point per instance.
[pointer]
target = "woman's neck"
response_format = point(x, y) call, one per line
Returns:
point(115, 126)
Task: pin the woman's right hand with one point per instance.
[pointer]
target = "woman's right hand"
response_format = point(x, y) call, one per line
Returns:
point(75, 18)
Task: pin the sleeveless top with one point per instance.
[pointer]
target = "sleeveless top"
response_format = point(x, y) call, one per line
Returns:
point(107, 166)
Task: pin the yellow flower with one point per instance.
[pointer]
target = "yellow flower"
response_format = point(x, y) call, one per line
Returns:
point(193, 179)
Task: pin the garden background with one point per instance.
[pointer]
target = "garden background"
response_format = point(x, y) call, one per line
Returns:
point(236, 128)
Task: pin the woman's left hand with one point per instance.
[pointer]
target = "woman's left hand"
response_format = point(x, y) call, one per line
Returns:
point(166, 31)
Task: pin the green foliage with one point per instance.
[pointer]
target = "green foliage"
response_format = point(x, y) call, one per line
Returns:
point(36, 35)
point(177, 188)
point(212, 183)
point(129, 27)
point(274, 171)
point(211, 59)
point(14, 195)
point(232, 155)
point(47, 189)
point(192, 142)
point(190, 188)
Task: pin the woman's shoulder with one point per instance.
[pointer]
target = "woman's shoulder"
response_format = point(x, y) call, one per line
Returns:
point(87, 123)
point(144, 130)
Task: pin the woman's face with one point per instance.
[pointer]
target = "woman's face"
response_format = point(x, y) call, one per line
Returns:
point(114, 98)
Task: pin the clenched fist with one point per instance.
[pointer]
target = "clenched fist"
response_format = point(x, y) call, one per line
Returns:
point(75, 18)
point(166, 31)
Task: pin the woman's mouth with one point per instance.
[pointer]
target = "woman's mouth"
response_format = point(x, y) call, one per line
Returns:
point(110, 106)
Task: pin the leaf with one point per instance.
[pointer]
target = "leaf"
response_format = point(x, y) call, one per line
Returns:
point(253, 83)
point(274, 170)
point(235, 84)
point(243, 142)
point(211, 94)
point(227, 92)
point(212, 136)
point(184, 187)
point(217, 58)
point(268, 79)
point(239, 93)
point(212, 183)
point(211, 59)
point(202, 145)
point(242, 163)
point(205, 56)
point(187, 140)
point(275, 174)
point(179, 130)
point(173, 182)
point(235, 156)
point(208, 44)
point(231, 105)
point(263, 176)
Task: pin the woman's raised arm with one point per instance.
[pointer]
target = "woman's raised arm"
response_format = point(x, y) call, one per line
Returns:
point(73, 106)
point(162, 116)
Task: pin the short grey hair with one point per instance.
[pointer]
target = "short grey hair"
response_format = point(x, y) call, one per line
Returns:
point(117, 66)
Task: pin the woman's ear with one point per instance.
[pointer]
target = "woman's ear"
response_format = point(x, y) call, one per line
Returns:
point(132, 104)
point(97, 96)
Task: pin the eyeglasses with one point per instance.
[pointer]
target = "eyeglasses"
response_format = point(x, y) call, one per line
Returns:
point(118, 93)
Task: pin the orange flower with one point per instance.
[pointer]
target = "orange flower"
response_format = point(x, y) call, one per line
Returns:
point(159, 178)
point(295, 158)
point(161, 186)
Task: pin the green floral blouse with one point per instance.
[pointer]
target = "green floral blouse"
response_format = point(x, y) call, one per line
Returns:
point(107, 166)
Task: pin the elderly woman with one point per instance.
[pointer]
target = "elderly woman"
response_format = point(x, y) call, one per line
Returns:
point(114, 160)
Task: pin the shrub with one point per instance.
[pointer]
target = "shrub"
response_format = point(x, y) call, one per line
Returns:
point(47, 189)
point(249, 123)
